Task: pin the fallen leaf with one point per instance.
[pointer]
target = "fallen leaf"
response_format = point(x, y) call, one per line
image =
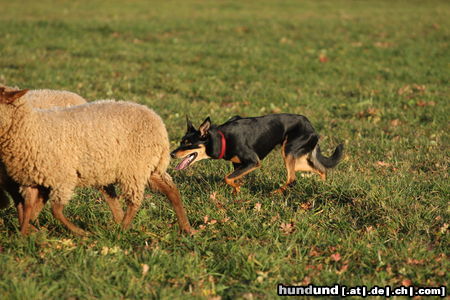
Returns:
point(382, 44)
point(306, 206)
point(369, 229)
point(242, 29)
point(412, 261)
point(406, 282)
point(382, 164)
point(213, 196)
point(261, 276)
point(335, 257)
point(306, 280)
point(404, 90)
point(285, 40)
point(145, 269)
point(313, 251)
point(287, 228)
point(323, 58)
point(421, 103)
point(419, 88)
point(395, 122)
point(104, 251)
point(342, 269)
point(370, 112)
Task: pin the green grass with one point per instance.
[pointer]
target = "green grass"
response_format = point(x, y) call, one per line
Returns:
point(371, 74)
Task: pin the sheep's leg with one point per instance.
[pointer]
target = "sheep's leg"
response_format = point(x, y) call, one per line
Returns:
point(19, 207)
point(111, 198)
point(165, 184)
point(57, 210)
point(4, 200)
point(40, 202)
point(129, 214)
point(12, 188)
point(31, 196)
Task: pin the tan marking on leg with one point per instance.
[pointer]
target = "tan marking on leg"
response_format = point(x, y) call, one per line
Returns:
point(235, 159)
point(283, 149)
point(302, 164)
point(289, 162)
point(234, 184)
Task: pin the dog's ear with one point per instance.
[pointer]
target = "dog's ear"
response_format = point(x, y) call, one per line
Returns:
point(10, 97)
point(190, 127)
point(204, 128)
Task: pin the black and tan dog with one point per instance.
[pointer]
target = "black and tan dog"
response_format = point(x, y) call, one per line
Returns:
point(247, 141)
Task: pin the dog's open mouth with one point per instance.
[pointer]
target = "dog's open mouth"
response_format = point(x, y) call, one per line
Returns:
point(186, 161)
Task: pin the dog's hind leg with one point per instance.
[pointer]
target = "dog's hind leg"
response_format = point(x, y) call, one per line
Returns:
point(289, 162)
point(165, 184)
point(303, 163)
point(301, 148)
point(110, 195)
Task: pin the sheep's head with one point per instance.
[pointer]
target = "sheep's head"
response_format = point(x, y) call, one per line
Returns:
point(7, 107)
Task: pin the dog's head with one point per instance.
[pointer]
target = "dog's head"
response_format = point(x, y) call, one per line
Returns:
point(193, 145)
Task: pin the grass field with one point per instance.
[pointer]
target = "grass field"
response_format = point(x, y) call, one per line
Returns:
point(371, 74)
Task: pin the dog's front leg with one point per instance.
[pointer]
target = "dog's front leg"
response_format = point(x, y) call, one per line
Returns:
point(241, 170)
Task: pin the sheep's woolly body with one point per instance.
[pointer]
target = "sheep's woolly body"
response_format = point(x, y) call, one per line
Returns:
point(93, 144)
point(38, 99)
point(46, 99)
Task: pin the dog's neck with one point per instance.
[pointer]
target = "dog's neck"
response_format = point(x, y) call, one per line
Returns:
point(216, 148)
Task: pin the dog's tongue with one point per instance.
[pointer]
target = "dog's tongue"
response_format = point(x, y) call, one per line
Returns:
point(184, 163)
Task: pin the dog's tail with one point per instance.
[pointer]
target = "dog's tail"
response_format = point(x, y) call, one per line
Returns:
point(321, 162)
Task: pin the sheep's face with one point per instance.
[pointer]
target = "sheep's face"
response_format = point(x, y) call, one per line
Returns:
point(7, 108)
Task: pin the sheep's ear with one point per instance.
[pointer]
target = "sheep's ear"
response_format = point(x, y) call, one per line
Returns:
point(204, 128)
point(10, 97)
point(190, 127)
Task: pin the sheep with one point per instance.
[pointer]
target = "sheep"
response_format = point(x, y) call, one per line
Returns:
point(95, 144)
point(37, 196)
point(38, 99)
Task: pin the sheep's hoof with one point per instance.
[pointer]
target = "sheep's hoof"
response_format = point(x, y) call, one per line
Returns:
point(79, 232)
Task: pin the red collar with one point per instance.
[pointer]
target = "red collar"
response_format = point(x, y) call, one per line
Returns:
point(223, 145)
